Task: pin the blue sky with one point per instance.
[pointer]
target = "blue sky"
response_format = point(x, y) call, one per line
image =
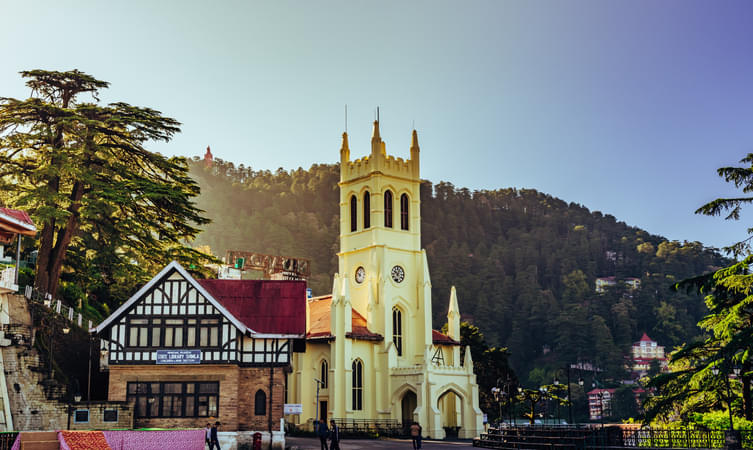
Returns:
point(625, 107)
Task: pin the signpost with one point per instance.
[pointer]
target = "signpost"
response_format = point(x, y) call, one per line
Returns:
point(178, 356)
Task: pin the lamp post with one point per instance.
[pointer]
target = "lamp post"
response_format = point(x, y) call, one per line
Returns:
point(76, 399)
point(66, 329)
point(569, 394)
point(497, 393)
point(319, 383)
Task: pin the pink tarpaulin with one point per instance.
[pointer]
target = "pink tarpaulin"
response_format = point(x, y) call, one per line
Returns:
point(17, 443)
point(156, 440)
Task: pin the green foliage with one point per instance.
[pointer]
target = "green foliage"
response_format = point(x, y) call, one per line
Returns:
point(524, 263)
point(110, 212)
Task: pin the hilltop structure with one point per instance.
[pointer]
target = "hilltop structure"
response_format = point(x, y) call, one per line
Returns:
point(371, 353)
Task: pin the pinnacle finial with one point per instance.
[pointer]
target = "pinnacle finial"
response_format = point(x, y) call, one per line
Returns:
point(414, 141)
point(345, 142)
point(375, 133)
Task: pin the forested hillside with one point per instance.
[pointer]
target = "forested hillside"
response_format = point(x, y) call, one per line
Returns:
point(524, 263)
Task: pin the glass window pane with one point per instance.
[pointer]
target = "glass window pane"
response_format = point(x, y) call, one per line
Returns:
point(204, 340)
point(153, 406)
point(191, 335)
point(213, 405)
point(177, 410)
point(190, 388)
point(190, 407)
point(155, 337)
point(174, 321)
point(140, 321)
point(167, 402)
point(208, 388)
point(172, 388)
point(140, 406)
point(213, 337)
point(143, 335)
point(154, 388)
point(133, 338)
point(203, 405)
point(168, 337)
point(179, 337)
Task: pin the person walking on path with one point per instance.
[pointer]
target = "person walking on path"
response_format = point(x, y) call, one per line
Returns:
point(208, 434)
point(334, 436)
point(322, 432)
point(214, 441)
point(415, 434)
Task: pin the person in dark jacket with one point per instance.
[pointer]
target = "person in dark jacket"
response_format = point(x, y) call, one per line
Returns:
point(334, 436)
point(214, 441)
point(322, 432)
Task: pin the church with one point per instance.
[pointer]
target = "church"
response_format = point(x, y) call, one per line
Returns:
point(371, 352)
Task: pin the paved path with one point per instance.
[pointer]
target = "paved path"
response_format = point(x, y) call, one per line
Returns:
point(354, 444)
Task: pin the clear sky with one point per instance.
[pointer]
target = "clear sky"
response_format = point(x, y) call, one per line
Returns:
point(626, 107)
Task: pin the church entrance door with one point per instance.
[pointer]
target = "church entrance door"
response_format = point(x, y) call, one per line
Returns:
point(408, 405)
point(450, 406)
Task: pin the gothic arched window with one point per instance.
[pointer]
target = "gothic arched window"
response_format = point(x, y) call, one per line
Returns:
point(366, 210)
point(357, 385)
point(388, 209)
point(353, 213)
point(397, 330)
point(260, 403)
point(404, 203)
point(324, 373)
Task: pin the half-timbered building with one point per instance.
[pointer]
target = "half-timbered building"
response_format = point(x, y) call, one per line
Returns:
point(189, 351)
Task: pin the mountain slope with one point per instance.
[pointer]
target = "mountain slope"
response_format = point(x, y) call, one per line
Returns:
point(524, 262)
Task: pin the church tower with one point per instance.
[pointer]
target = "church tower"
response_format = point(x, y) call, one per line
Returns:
point(371, 353)
point(380, 246)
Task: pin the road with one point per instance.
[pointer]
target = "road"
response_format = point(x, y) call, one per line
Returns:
point(354, 444)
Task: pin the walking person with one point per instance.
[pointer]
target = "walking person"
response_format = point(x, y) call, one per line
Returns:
point(334, 436)
point(208, 433)
point(214, 441)
point(415, 434)
point(322, 432)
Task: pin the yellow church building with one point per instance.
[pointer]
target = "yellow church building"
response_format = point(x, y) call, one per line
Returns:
point(370, 348)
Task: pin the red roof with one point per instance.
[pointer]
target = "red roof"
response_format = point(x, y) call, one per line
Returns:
point(645, 338)
point(598, 391)
point(439, 338)
point(265, 306)
point(319, 326)
point(14, 221)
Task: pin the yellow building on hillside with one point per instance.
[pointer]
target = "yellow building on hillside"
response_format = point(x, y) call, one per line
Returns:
point(370, 346)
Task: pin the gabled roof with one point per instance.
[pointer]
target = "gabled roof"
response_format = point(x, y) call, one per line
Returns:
point(439, 338)
point(319, 322)
point(236, 303)
point(265, 306)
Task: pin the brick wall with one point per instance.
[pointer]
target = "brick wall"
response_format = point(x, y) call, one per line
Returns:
point(97, 416)
point(238, 387)
point(251, 380)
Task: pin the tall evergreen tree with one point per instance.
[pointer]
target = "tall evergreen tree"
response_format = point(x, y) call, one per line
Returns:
point(83, 171)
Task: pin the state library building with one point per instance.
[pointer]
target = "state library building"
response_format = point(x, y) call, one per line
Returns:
point(188, 351)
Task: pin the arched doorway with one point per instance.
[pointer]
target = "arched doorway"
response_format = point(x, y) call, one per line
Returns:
point(408, 405)
point(450, 406)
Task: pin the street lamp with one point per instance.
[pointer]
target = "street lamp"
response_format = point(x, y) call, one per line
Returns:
point(496, 392)
point(76, 399)
point(319, 383)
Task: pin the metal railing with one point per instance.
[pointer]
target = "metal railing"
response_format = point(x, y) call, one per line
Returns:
point(616, 436)
point(67, 312)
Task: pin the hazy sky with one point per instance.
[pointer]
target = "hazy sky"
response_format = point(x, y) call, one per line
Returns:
point(625, 107)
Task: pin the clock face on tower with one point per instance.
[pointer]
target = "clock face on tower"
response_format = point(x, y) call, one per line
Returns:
point(398, 274)
point(360, 275)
